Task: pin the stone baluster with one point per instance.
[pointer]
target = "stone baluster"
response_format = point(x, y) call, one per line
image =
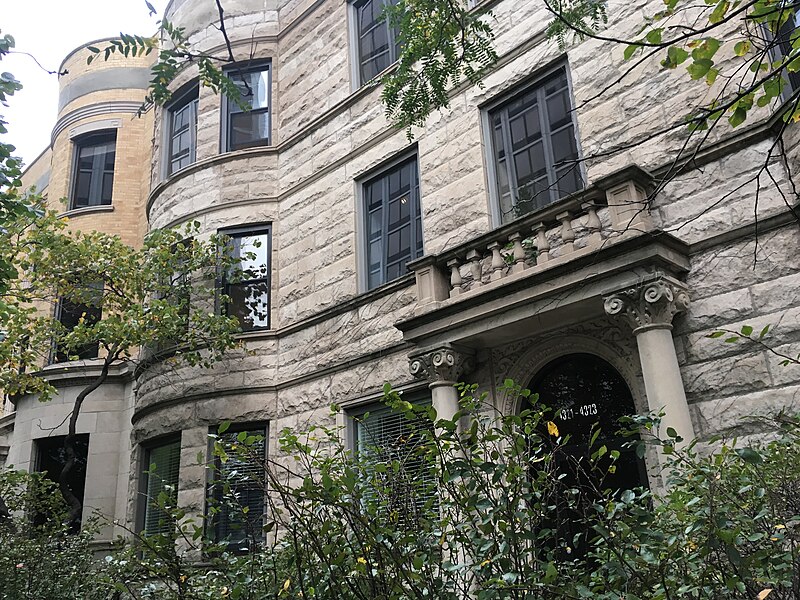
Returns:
point(474, 257)
point(593, 223)
point(649, 309)
point(542, 243)
point(567, 233)
point(519, 252)
point(498, 263)
point(455, 277)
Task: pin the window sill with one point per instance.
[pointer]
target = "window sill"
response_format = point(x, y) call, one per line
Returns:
point(87, 210)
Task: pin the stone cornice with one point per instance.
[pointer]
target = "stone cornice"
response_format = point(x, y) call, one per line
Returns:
point(443, 365)
point(649, 305)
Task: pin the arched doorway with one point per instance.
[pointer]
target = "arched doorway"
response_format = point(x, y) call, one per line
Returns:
point(585, 390)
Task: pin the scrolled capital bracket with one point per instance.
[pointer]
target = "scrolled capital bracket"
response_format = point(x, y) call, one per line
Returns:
point(443, 365)
point(650, 305)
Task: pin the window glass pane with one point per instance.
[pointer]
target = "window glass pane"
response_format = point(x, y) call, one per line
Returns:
point(163, 462)
point(248, 129)
point(564, 146)
point(69, 315)
point(388, 250)
point(94, 171)
point(531, 123)
point(376, 50)
point(82, 191)
point(249, 302)
point(108, 186)
point(249, 297)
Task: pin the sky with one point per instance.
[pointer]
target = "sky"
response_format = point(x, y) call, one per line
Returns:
point(49, 30)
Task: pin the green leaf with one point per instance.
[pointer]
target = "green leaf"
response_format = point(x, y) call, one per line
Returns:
point(223, 427)
point(747, 330)
point(629, 51)
point(741, 48)
point(749, 455)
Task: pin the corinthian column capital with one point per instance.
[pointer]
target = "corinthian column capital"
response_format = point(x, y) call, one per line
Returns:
point(443, 365)
point(650, 305)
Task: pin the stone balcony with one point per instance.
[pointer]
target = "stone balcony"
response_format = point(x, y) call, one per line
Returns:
point(560, 260)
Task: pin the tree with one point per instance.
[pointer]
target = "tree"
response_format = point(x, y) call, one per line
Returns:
point(160, 299)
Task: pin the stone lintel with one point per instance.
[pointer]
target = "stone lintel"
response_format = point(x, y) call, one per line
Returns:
point(650, 304)
point(443, 365)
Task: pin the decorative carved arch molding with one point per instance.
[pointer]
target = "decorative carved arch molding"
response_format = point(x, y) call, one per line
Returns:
point(601, 339)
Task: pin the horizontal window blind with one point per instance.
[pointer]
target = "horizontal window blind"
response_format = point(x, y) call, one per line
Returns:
point(163, 478)
point(240, 518)
point(385, 436)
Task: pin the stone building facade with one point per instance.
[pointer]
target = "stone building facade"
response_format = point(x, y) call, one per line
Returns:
point(502, 242)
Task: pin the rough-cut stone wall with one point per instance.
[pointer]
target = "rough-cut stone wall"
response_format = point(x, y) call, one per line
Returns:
point(750, 281)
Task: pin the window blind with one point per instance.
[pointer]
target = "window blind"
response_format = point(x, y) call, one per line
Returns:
point(385, 436)
point(240, 518)
point(163, 478)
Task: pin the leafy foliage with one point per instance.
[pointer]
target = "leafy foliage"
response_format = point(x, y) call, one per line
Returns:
point(42, 559)
point(442, 43)
point(160, 296)
point(751, 46)
point(504, 523)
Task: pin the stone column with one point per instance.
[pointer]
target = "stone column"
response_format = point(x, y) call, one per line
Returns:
point(649, 309)
point(442, 367)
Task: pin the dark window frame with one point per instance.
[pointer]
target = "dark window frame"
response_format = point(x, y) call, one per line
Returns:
point(146, 449)
point(393, 49)
point(782, 39)
point(229, 108)
point(416, 245)
point(226, 287)
point(552, 194)
point(212, 521)
point(96, 174)
point(185, 100)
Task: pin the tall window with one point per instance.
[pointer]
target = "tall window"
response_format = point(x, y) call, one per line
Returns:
point(239, 488)
point(50, 460)
point(378, 43)
point(534, 145)
point(70, 314)
point(386, 436)
point(93, 179)
point(182, 132)
point(249, 291)
point(162, 464)
point(393, 222)
point(248, 128)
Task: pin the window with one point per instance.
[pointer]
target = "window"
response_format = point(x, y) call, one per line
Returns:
point(378, 43)
point(383, 435)
point(162, 464)
point(182, 131)
point(393, 222)
point(535, 149)
point(69, 314)
point(784, 48)
point(249, 293)
point(93, 180)
point(51, 456)
point(248, 128)
point(239, 489)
